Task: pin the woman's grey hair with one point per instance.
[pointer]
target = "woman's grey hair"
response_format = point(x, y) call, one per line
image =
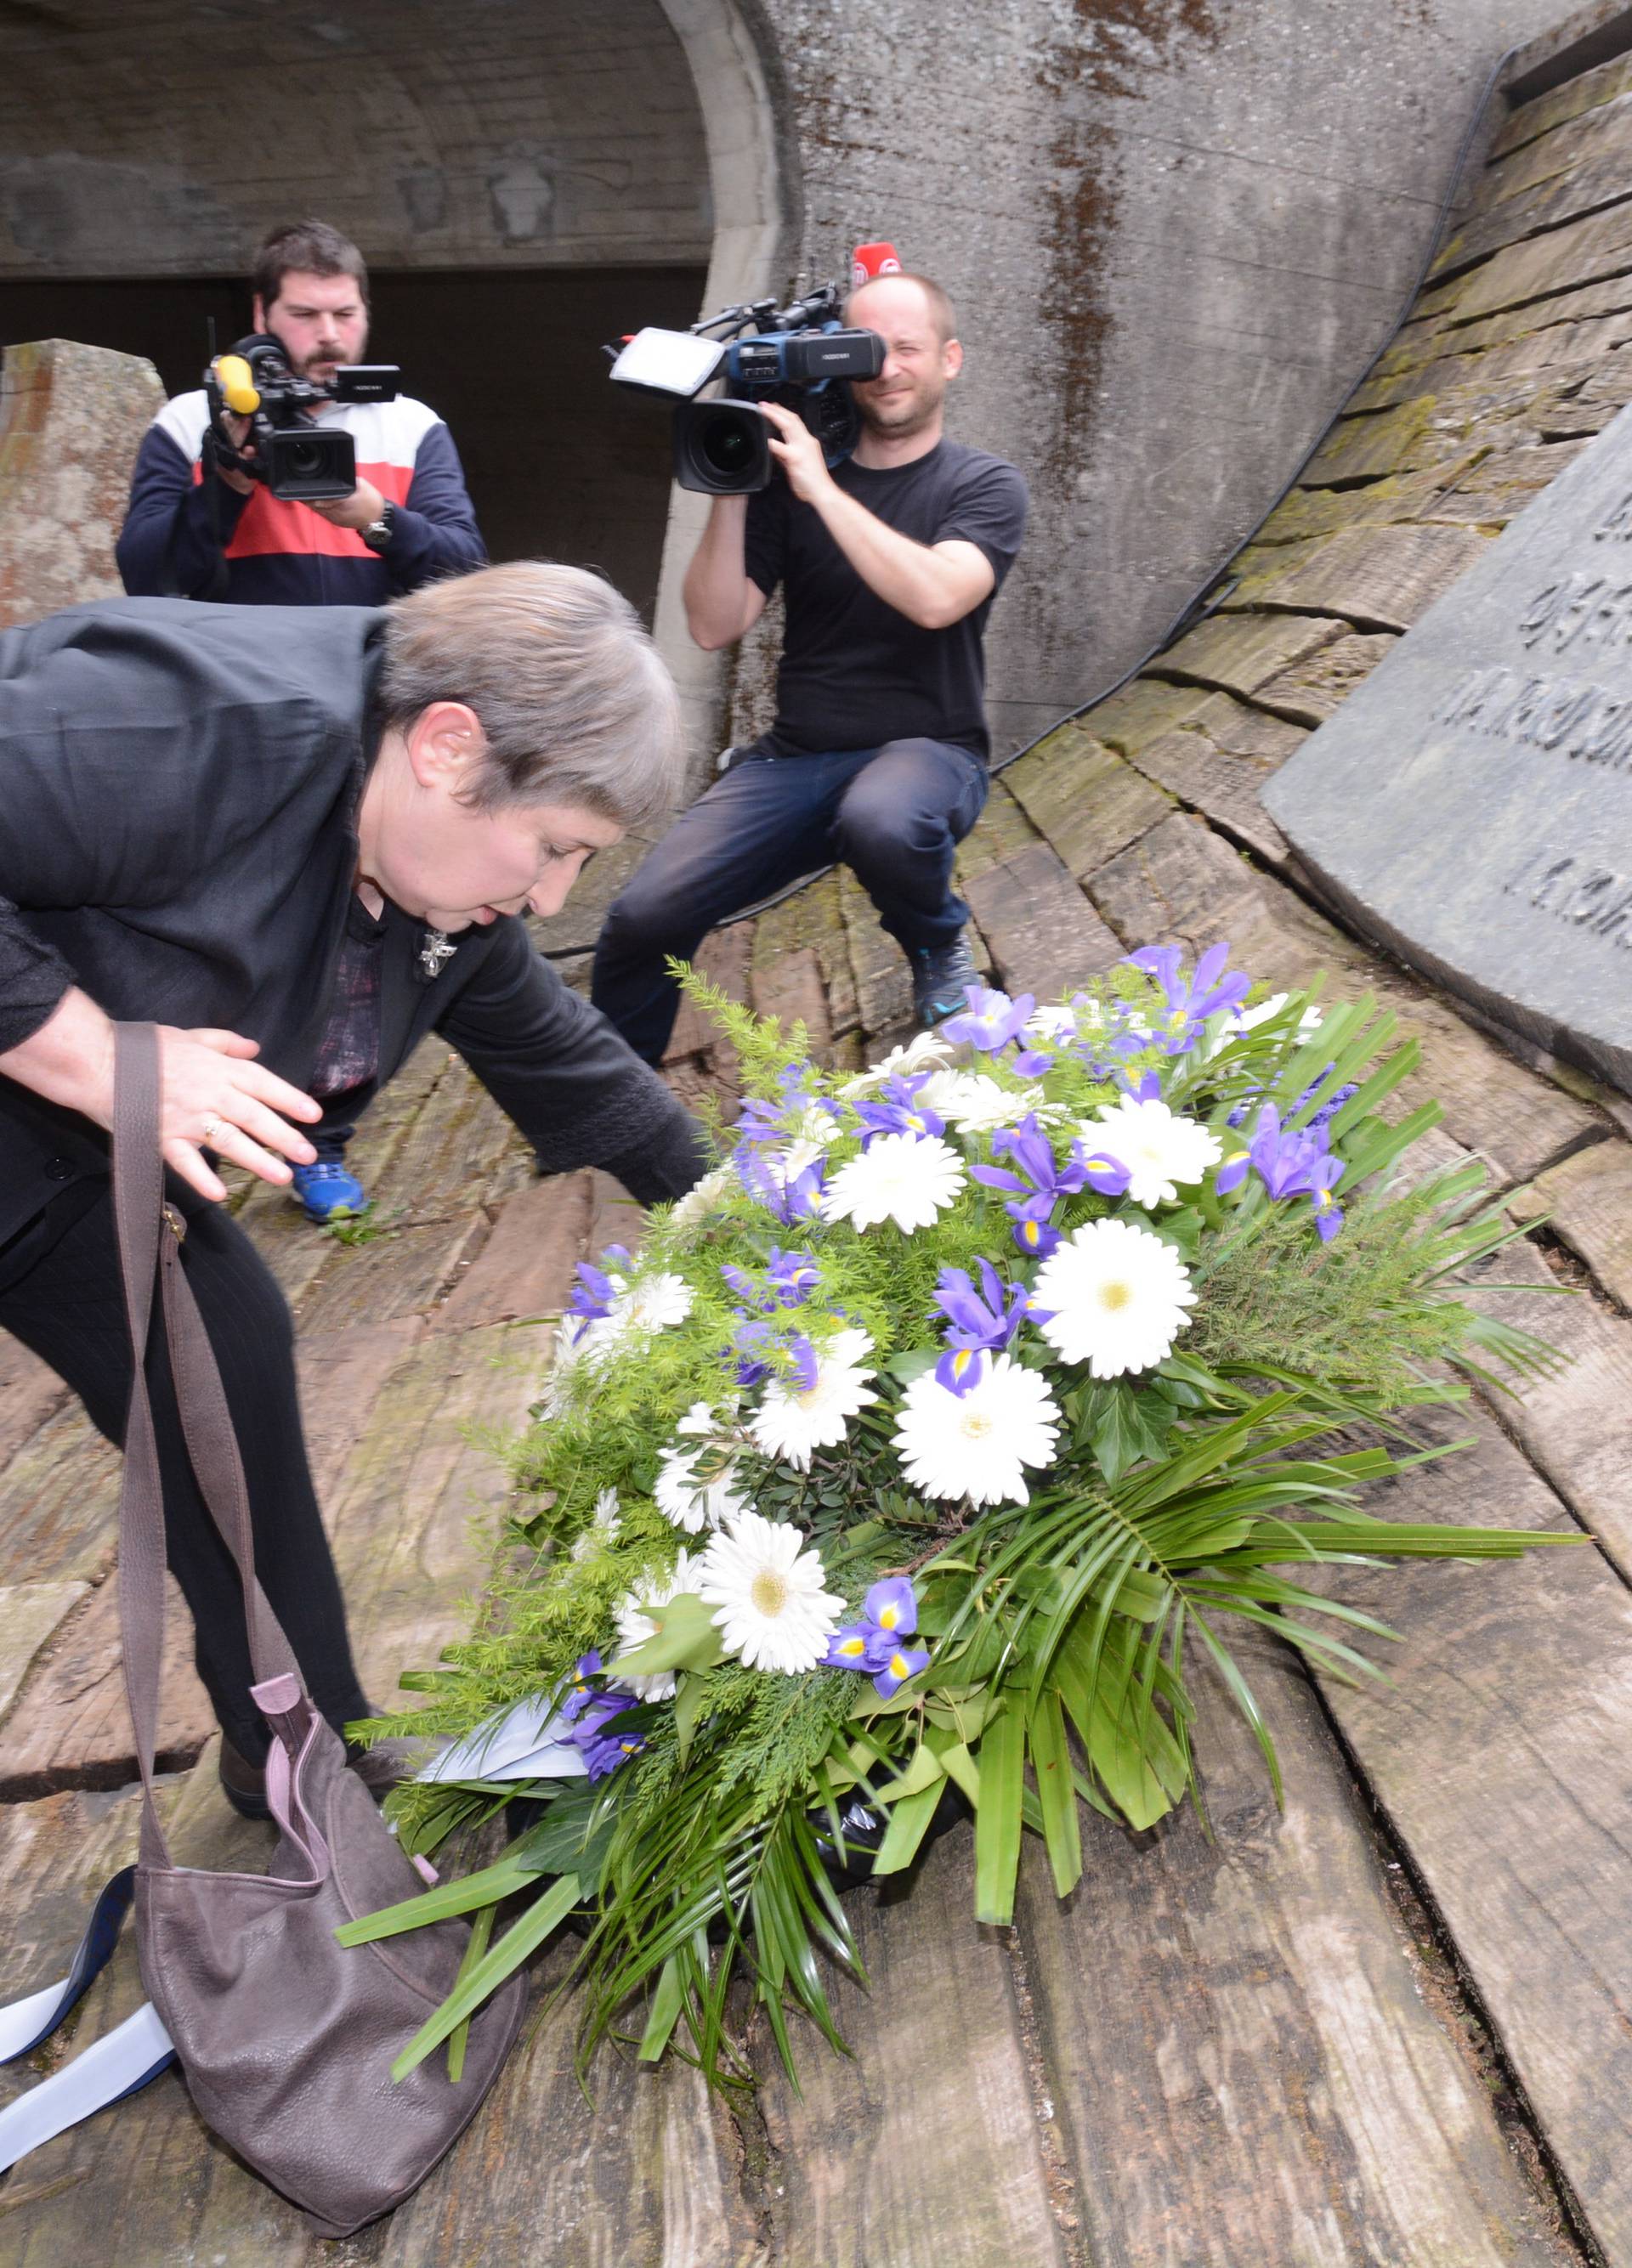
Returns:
point(575, 703)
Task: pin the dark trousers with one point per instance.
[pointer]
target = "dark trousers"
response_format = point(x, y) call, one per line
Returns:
point(60, 1294)
point(894, 814)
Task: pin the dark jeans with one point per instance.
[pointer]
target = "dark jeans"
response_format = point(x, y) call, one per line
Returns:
point(60, 1294)
point(894, 814)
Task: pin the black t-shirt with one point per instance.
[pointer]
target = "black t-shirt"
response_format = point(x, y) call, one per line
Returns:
point(854, 672)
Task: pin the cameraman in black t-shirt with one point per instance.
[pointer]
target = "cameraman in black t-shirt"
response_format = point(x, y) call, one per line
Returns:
point(889, 564)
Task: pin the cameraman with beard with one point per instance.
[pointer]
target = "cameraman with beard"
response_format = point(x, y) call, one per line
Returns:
point(197, 528)
point(889, 563)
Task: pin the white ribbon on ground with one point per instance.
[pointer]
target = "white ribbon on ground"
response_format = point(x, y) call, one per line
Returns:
point(131, 2054)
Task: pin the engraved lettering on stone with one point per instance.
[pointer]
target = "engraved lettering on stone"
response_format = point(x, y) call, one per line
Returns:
point(1617, 522)
point(1594, 899)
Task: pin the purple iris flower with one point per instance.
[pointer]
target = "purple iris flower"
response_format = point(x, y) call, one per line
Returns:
point(757, 1343)
point(888, 1614)
point(1034, 1233)
point(991, 1021)
point(767, 1121)
point(1037, 1171)
point(1190, 1002)
point(977, 1322)
point(593, 1294)
point(1324, 1177)
point(1296, 1163)
point(896, 1110)
point(791, 1277)
point(1147, 1089)
point(790, 1196)
point(592, 1717)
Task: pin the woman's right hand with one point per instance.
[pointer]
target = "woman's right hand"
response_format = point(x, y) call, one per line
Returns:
point(212, 1094)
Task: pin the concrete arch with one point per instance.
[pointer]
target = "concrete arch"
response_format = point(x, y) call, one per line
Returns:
point(754, 177)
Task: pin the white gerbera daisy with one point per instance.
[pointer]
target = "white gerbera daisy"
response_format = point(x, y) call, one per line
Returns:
point(1163, 1152)
point(905, 1178)
point(604, 1523)
point(790, 1424)
point(695, 1500)
point(774, 1613)
point(692, 1209)
point(923, 1048)
point(976, 1445)
point(635, 1624)
point(1116, 1297)
point(1054, 1020)
point(653, 1303)
point(978, 1105)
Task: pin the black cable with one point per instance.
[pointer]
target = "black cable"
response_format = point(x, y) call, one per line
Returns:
point(1207, 597)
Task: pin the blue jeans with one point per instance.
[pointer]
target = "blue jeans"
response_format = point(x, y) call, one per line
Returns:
point(894, 814)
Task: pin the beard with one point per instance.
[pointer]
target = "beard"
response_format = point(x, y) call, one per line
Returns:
point(896, 417)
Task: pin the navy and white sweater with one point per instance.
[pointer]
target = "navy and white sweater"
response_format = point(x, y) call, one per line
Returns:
point(283, 555)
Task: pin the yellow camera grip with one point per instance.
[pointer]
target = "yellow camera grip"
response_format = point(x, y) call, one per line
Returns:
point(237, 384)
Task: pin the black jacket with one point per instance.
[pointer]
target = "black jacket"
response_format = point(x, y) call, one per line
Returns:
point(178, 791)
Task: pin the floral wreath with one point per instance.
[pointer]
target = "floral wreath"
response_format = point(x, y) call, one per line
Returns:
point(925, 1455)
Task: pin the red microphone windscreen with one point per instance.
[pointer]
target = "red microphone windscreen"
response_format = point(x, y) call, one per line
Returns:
point(872, 259)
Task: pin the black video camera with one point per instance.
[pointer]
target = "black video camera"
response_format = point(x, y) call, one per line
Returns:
point(801, 356)
point(297, 460)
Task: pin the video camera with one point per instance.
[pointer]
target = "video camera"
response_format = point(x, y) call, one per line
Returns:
point(297, 460)
point(799, 355)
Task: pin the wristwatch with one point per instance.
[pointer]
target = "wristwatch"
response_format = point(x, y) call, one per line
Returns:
point(377, 534)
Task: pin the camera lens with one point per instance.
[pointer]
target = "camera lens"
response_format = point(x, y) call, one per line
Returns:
point(724, 444)
point(304, 461)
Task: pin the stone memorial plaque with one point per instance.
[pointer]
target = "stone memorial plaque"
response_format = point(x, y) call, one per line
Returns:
point(1471, 804)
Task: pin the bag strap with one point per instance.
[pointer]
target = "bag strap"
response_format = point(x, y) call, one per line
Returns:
point(149, 1233)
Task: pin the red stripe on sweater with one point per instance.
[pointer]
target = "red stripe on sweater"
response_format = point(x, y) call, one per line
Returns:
point(270, 525)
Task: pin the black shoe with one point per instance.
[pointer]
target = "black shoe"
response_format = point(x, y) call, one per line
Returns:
point(940, 974)
point(242, 1783)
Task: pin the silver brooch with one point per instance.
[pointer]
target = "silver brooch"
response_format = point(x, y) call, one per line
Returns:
point(435, 952)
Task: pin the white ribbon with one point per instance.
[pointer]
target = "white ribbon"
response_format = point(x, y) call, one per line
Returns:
point(131, 2054)
point(521, 1742)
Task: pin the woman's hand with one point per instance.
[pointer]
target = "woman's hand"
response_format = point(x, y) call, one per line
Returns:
point(212, 1094)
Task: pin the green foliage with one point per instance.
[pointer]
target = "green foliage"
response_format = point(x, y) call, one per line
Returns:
point(1208, 1497)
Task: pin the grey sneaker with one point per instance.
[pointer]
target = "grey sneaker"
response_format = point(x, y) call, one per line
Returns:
point(940, 973)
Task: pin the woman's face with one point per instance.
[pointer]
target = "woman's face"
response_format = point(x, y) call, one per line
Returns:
point(450, 865)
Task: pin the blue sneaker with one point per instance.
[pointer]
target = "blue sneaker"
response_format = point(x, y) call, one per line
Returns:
point(328, 1192)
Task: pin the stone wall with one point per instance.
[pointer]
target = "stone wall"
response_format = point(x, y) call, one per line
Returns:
point(67, 414)
point(164, 138)
point(1176, 230)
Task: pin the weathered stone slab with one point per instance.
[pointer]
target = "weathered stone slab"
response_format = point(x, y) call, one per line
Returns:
point(1501, 1754)
point(1046, 938)
point(1184, 881)
point(883, 980)
point(71, 419)
point(1087, 801)
point(29, 1613)
point(1239, 656)
point(29, 1392)
point(1316, 686)
point(1471, 803)
point(1588, 1202)
point(789, 990)
point(1498, 489)
point(71, 1727)
point(1378, 578)
point(926, 2157)
point(1576, 1428)
point(1589, 89)
point(58, 1497)
point(525, 1269)
point(398, 1272)
point(1587, 184)
point(1245, 2063)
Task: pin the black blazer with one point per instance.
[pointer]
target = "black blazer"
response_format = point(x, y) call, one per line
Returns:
point(178, 791)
